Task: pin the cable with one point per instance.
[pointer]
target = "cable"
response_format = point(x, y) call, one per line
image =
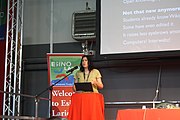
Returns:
point(158, 86)
point(144, 115)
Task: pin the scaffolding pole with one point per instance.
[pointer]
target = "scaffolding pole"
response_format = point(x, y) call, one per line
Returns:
point(13, 58)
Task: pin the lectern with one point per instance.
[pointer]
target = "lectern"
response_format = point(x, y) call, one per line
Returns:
point(86, 106)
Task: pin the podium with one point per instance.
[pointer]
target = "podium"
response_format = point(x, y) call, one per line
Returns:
point(86, 106)
point(148, 114)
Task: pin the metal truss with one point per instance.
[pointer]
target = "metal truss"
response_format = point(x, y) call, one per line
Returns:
point(13, 58)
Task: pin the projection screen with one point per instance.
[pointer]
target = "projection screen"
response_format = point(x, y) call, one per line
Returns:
point(138, 28)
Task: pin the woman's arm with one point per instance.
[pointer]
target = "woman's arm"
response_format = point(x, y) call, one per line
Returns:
point(98, 83)
point(74, 88)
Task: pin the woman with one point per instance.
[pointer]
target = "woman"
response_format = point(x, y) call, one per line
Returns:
point(88, 74)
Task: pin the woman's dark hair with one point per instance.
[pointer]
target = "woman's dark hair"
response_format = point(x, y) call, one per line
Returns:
point(90, 65)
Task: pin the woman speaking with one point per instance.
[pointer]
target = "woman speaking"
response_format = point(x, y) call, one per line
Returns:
point(88, 74)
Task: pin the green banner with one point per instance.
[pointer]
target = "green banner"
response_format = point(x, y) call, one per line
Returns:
point(3, 14)
point(59, 64)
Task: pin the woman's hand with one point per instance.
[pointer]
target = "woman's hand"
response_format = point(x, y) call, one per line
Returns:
point(97, 83)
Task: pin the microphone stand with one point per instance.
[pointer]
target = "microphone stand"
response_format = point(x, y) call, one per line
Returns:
point(50, 89)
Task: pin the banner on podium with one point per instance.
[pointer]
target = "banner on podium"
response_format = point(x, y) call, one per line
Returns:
point(58, 65)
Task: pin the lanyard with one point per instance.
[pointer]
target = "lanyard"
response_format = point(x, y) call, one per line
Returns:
point(87, 76)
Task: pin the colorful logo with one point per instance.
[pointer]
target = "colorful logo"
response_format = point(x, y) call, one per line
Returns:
point(62, 79)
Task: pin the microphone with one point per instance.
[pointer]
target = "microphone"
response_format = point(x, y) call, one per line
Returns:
point(72, 69)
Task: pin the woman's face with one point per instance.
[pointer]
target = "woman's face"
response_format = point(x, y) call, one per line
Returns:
point(85, 62)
